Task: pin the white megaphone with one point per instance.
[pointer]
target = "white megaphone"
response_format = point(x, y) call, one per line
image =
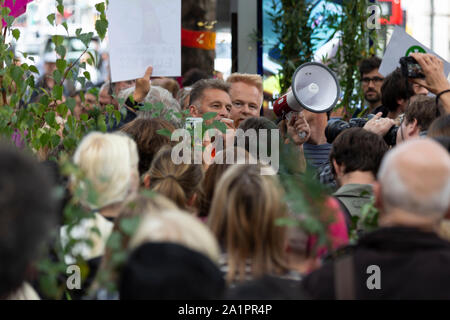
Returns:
point(314, 88)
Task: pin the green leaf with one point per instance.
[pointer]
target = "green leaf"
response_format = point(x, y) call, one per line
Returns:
point(44, 139)
point(209, 115)
point(164, 132)
point(101, 27)
point(86, 38)
point(33, 69)
point(220, 125)
point(16, 34)
point(57, 92)
point(57, 40)
point(17, 74)
point(9, 20)
point(100, 7)
point(50, 118)
point(61, 51)
point(87, 75)
point(78, 32)
point(57, 76)
point(60, 9)
point(51, 18)
point(129, 225)
point(55, 140)
point(61, 64)
point(71, 103)
point(62, 110)
point(64, 24)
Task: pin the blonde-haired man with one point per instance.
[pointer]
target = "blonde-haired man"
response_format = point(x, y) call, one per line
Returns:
point(246, 96)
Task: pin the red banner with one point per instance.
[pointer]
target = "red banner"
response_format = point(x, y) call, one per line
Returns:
point(198, 39)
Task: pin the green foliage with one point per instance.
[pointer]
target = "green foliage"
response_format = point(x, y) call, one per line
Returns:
point(295, 34)
point(49, 128)
point(355, 38)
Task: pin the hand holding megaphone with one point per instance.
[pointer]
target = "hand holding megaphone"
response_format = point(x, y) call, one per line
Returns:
point(314, 88)
point(297, 127)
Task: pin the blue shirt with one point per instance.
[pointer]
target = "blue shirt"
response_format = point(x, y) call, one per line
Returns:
point(317, 155)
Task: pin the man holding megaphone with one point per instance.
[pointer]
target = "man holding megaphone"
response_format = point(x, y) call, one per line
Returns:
point(315, 90)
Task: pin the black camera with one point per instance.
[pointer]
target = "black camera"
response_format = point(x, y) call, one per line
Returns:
point(410, 68)
point(336, 126)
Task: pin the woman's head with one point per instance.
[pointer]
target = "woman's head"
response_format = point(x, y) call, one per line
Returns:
point(109, 161)
point(148, 140)
point(243, 217)
point(179, 182)
point(229, 156)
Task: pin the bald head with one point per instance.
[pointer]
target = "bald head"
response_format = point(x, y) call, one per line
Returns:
point(415, 177)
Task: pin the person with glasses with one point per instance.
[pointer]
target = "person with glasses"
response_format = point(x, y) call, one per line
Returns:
point(371, 81)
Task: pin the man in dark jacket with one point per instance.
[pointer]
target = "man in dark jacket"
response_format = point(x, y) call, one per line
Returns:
point(405, 258)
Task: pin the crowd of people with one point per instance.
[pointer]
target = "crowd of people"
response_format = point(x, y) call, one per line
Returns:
point(212, 230)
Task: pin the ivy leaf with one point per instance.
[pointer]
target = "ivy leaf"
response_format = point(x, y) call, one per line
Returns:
point(16, 34)
point(51, 18)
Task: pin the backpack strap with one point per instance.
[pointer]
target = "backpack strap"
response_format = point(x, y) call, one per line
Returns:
point(347, 214)
point(344, 278)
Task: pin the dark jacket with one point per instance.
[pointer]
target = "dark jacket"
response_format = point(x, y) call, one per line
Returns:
point(413, 265)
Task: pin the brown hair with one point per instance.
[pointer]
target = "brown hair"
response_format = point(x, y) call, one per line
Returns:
point(423, 109)
point(200, 86)
point(148, 140)
point(178, 182)
point(440, 127)
point(250, 79)
point(212, 177)
point(243, 217)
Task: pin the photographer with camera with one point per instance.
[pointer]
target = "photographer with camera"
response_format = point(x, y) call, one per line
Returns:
point(434, 78)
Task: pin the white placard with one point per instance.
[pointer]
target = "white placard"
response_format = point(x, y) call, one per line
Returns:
point(399, 46)
point(144, 33)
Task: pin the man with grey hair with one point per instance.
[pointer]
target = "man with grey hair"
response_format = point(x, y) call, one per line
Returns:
point(404, 258)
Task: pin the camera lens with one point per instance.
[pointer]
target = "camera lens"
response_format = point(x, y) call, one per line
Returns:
point(334, 127)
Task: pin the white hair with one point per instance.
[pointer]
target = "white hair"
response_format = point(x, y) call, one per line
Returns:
point(155, 95)
point(179, 227)
point(109, 161)
point(396, 193)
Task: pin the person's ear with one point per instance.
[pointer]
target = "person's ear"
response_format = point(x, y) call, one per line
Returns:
point(193, 110)
point(377, 195)
point(147, 181)
point(339, 169)
point(412, 129)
